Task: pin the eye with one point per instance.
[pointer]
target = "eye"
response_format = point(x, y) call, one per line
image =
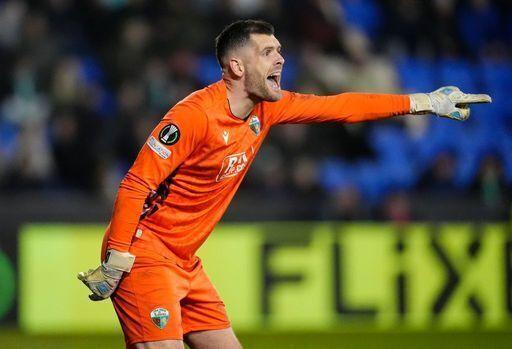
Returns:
point(267, 52)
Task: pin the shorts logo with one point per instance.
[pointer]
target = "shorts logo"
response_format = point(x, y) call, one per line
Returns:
point(160, 317)
point(169, 135)
point(158, 148)
point(254, 124)
point(232, 165)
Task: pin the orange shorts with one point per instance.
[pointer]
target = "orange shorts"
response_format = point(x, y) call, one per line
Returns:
point(164, 297)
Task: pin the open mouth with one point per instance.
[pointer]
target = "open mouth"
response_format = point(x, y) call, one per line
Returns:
point(274, 81)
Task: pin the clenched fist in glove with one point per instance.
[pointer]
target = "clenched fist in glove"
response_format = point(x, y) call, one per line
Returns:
point(103, 280)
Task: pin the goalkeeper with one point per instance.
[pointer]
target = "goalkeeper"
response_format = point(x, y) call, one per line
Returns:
point(189, 170)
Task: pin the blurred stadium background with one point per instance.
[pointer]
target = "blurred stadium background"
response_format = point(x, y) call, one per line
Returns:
point(404, 238)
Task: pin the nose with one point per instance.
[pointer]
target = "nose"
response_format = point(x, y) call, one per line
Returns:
point(280, 59)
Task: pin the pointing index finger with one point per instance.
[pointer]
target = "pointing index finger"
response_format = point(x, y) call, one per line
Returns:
point(473, 98)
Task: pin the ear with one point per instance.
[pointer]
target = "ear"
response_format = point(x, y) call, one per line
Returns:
point(236, 66)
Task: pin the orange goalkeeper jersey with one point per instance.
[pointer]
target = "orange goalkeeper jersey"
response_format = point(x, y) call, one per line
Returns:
point(195, 159)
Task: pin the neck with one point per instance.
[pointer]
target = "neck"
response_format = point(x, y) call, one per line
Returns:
point(240, 102)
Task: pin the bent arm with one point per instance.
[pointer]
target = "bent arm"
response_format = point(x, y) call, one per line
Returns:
point(165, 150)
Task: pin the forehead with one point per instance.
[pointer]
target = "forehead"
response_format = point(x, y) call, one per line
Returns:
point(261, 41)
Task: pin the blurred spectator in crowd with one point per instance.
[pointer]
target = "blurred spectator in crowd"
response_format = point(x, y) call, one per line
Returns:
point(85, 82)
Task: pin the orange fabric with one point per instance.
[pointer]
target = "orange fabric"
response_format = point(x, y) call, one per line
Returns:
point(183, 196)
point(181, 288)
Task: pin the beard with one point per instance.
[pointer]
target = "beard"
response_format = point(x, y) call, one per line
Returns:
point(257, 86)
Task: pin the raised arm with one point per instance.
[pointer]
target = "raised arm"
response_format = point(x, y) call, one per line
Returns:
point(447, 101)
point(345, 107)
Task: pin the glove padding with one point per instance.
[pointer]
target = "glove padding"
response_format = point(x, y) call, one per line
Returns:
point(103, 280)
point(448, 101)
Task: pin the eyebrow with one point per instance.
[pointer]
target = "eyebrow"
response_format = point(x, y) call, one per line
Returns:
point(271, 47)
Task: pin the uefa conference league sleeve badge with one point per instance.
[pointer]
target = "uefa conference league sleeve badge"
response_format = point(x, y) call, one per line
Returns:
point(169, 135)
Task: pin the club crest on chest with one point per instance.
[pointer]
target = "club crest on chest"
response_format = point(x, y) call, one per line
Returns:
point(254, 124)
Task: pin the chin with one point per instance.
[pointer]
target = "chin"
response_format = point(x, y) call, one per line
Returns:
point(273, 96)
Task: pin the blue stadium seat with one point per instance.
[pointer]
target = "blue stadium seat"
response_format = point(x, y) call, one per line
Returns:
point(388, 142)
point(372, 180)
point(9, 136)
point(335, 174)
point(91, 71)
point(504, 145)
point(416, 75)
point(438, 138)
point(459, 73)
point(497, 81)
point(393, 150)
point(478, 26)
point(208, 71)
point(289, 76)
point(470, 146)
point(364, 15)
point(92, 74)
point(488, 117)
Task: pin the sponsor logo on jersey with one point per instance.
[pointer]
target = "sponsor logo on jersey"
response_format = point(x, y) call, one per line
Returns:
point(158, 148)
point(169, 135)
point(232, 165)
point(160, 317)
point(255, 125)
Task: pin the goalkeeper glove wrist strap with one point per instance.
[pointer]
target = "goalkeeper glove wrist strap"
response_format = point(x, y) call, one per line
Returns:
point(122, 261)
point(421, 103)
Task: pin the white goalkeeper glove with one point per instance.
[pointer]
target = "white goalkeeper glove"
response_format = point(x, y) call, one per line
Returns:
point(103, 280)
point(448, 101)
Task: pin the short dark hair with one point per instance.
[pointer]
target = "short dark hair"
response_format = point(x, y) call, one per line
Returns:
point(237, 34)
